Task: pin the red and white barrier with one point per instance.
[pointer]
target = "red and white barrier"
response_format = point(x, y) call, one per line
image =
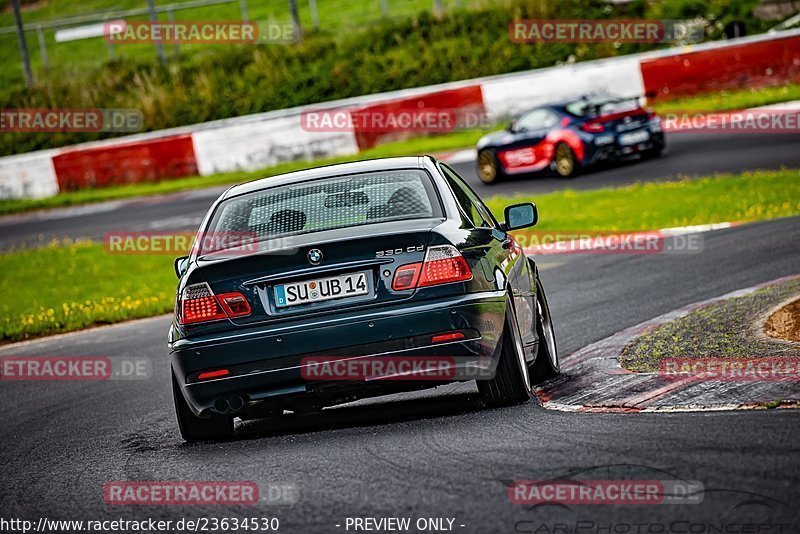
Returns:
point(256, 141)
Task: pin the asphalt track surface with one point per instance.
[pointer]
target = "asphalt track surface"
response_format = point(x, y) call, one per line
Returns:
point(687, 154)
point(437, 453)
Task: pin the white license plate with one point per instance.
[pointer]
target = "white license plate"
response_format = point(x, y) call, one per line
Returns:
point(319, 289)
point(634, 137)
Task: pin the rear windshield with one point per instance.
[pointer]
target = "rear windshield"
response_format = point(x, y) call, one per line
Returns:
point(324, 204)
point(603, 105)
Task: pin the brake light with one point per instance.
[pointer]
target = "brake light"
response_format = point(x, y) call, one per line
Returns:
point(198, 304)
point(593, 127)
point(443, 264)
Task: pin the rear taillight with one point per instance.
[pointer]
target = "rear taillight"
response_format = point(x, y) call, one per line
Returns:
point(198, 304)
point(593, 127)
point(443, 264)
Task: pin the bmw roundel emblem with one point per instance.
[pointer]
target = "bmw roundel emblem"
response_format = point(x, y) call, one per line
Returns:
point(315, 256)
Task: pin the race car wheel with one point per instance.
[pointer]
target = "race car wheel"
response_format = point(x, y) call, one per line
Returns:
point(511, 383)
point(546, 364)
point(564, 160)
point(489, 169)
point(193, 428)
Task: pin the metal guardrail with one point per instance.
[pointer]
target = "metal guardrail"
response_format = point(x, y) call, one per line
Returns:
point(101, 16)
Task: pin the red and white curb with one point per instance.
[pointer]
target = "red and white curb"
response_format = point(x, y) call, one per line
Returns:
point(592, 379)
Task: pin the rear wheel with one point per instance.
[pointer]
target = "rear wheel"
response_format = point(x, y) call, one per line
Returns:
point(564, 160)
point(193, 428)
point(546, 364)
point(511, 383)
point(489, 169)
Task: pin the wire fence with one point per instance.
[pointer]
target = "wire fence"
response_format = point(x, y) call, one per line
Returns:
point(73, 40)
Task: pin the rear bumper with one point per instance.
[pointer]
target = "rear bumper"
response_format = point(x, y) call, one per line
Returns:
point(615, 151)
point(266, 364)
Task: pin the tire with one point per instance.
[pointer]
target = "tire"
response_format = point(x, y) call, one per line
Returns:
point(546, 365)
point(654, 152)
point(489, 169)
point(193, 428)
point(564, 163)
point(511, 384)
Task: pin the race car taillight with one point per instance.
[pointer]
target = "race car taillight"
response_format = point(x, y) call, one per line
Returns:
point(443, 264)
point(593, 127)
point(198, 304)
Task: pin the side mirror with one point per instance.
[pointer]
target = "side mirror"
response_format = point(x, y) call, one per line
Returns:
point(181, 265)
point(520, 216)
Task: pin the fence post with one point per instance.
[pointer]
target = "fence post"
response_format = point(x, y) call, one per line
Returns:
point(42, 45)
point(23, 45)
point(151, 8)
point(437, 6)
point(171, 19)
point(243, 9)
point(298, 34)
point(384, 8)
point(312, 6)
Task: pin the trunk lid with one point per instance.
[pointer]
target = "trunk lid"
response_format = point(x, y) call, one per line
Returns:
point(373, 250)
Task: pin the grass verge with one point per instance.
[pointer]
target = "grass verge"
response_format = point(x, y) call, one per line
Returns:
point(65, 287)
point(721, 101)
point(723, 330)
point(732, 100)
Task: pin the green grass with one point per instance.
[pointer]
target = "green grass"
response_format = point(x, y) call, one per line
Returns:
point(335, 16)
point(67, 287)
point(722, 330)
point(732, 100)
point(419, 145)
point(646, 206)
point(60, 287)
